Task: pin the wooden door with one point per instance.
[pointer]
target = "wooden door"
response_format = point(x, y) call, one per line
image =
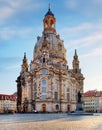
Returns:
point(44, 107)
point(68, 108)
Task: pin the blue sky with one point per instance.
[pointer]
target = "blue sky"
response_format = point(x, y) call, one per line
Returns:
point(79, 23)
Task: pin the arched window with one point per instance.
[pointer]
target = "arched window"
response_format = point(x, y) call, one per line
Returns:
point(35, 90)
point(68, 75)
point(68, 97)
point(43, 71)
point(33, 106)
point(64, 66)
point(46, 24)
point(59, 47)
point(52, 23)
point(56, 95)
point(44, 107)
point(43, 60)
point(57, 107)
point(68, 93)
point(35, 49)
point(55, 86)
point(76, 70)
point(43, 89)
point(35, 87)
point(68, 89)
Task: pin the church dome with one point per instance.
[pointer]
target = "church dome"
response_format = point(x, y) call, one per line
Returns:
point(53, 42)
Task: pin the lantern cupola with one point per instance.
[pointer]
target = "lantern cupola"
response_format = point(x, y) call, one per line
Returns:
point(49, 22)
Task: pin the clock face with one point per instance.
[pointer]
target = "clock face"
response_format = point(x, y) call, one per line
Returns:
point(44, 53)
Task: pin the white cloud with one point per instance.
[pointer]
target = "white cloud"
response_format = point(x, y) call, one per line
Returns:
point(72, 4)
point(13, 67)
point(97, 2)
point(9, 63)
point(19, 4)
point(93, 53)
point(10, 7)
point(87, 40)
point(5, 13)
point(86, 34)
point(83, 28)
point(11, 32)
point(92, 83)
point(23, 5)
point(87, 7)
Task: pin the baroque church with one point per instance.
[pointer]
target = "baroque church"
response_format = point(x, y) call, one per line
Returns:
point(47, 84)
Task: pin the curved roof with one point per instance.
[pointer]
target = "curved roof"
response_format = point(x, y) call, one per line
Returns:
point(49, 13)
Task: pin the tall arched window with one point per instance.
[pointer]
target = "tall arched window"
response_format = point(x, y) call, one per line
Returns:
point(55, 86)
point(44, 60)
point(68, 93)
point(57, 107)
point(59, 47)
point(43, 89)
point(56, 95)
point(35, 90)
point(35, 87)
point(43, 71)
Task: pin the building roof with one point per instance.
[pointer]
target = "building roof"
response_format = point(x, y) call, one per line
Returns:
point(12, 97)
point(49, 12)
point(93, 93)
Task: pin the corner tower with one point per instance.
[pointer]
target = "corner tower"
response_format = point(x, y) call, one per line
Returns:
point(77, 71)
point(75, 63)
point(25, 64)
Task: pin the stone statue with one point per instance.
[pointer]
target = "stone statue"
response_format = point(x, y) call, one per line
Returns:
point(79, 97)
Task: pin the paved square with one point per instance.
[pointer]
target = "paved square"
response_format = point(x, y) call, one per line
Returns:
point(63, 123)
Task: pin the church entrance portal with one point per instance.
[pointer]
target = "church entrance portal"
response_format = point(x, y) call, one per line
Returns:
point(44, 107)
point(68, 108)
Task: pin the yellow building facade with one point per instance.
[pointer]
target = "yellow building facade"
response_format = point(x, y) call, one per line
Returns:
point(47, 84)
point(8, 103)
point(92, 101)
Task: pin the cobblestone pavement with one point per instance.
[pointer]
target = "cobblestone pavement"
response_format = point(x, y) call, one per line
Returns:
point(67, 123)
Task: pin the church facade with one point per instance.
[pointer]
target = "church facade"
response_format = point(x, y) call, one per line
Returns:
point(47, 84)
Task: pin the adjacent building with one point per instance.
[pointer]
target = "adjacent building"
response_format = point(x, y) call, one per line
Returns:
point(47, 84)
point(8, 103)
point(92, 101)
